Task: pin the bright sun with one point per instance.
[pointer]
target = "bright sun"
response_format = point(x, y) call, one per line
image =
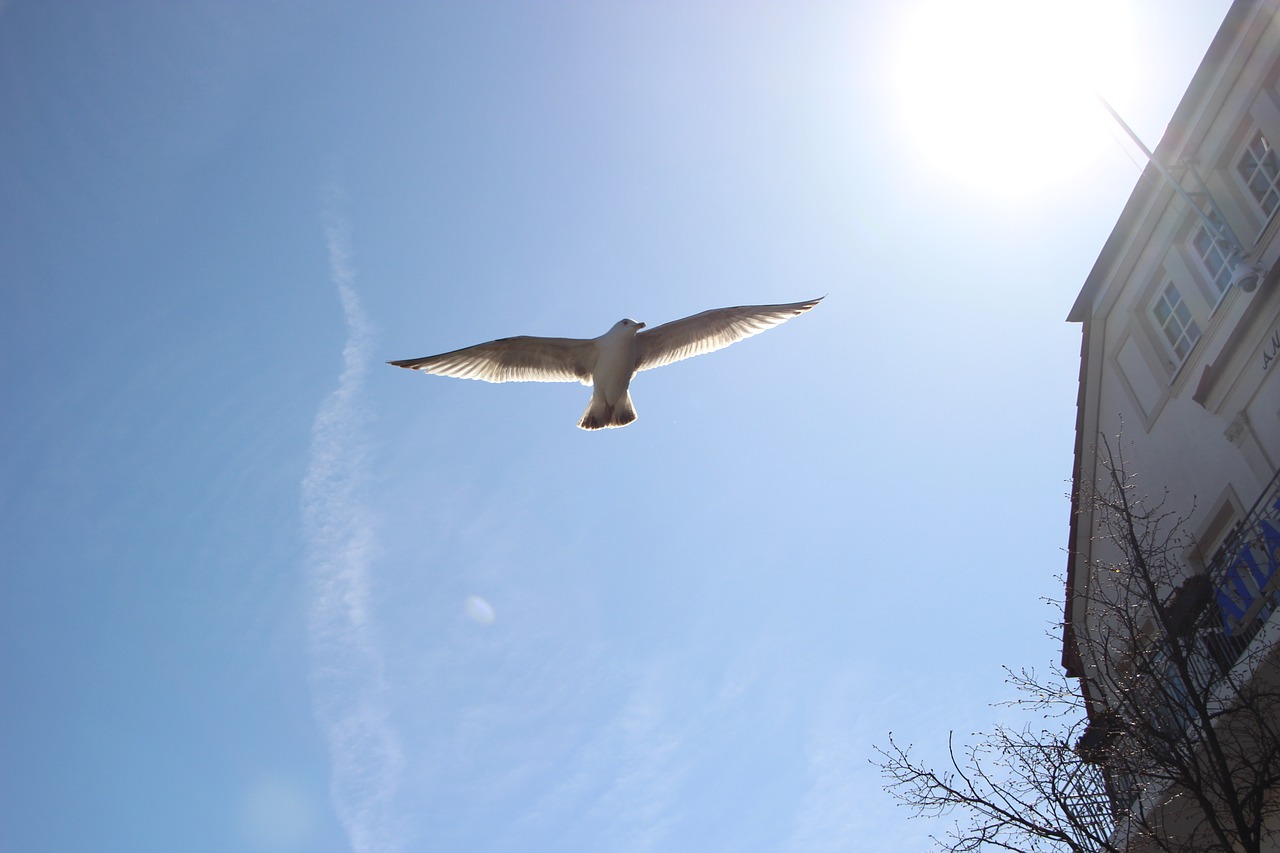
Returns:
point(1001, 93)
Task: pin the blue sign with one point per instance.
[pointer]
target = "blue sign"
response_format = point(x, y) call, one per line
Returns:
point(1248, 578)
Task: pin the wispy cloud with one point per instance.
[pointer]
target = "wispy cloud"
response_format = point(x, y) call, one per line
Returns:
point(348, 684)
point(647, 772)
point(619, 787)
point(841, 810)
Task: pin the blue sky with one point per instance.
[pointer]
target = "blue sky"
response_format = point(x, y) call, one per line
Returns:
point(262, 592)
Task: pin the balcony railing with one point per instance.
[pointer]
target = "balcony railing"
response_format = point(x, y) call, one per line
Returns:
point(1089, 806)
point(1245, 577)
point(1217, 614)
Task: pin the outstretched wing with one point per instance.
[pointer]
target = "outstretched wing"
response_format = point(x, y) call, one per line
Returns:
point(710, 331)
point(520, 359)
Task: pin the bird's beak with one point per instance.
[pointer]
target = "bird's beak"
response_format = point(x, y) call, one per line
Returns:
point(639, 325)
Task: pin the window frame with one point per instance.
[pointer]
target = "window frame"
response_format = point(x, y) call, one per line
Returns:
point(1252, 164)
point(1162, 324)
point(1218, 272)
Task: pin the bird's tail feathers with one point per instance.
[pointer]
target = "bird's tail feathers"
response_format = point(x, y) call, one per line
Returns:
point(600, 415)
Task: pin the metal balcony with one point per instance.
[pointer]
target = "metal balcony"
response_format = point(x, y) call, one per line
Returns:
point(1245, 578)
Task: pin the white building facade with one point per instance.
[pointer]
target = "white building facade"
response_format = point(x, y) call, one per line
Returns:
point(1180, 368)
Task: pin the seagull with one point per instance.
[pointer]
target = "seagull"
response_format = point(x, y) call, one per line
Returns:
point(609, 362)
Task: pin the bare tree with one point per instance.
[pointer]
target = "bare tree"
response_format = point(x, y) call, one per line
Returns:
point(1170, 740)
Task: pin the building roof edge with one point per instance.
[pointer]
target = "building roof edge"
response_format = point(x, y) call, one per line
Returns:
point(1184, 117)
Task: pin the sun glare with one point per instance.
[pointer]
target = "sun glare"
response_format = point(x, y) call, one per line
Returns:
point(1000, 94)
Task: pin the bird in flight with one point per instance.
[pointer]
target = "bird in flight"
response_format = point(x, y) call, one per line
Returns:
point(609, 362)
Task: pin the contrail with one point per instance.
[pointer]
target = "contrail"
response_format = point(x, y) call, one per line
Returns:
point(348, 685)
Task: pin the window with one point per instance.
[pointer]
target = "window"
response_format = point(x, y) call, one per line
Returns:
point(1260, 168)
point(1175, 320)
point(1215, 256)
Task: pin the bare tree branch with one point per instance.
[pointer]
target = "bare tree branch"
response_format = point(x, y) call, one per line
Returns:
point(1182, 752)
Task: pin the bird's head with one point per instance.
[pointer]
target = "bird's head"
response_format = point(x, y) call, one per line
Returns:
point(630, 325)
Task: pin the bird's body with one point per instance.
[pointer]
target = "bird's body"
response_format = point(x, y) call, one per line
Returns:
point(608, 362)
point(616, 356)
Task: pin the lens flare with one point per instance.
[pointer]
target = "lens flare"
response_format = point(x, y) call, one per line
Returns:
point(480, 611)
